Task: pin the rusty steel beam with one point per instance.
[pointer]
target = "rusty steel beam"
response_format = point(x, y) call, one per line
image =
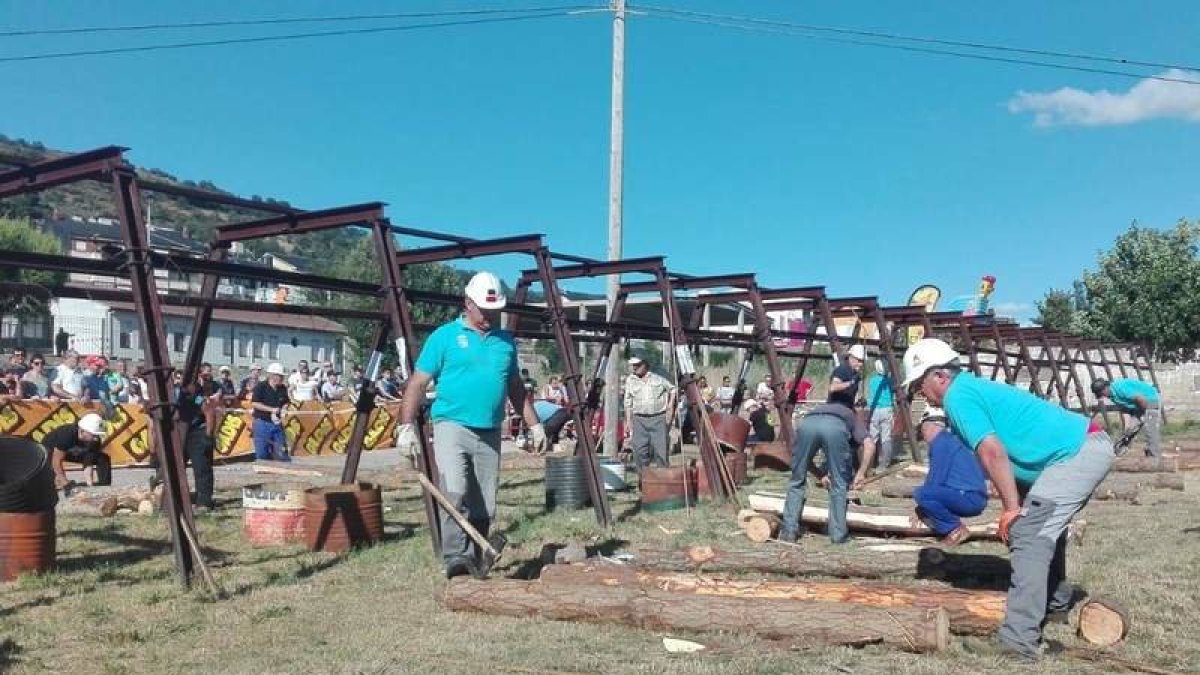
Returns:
point(298, 223)
point(600, 268)
point(91, 165)
point(208, 291)
point(810, 292)
point(692, 283)
point(527, 243)
point(865, 302)
point(121, 295)
point(199, 194)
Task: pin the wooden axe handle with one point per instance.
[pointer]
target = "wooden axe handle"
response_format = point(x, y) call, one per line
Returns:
point(458, 517)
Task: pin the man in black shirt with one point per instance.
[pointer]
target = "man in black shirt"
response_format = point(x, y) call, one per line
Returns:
point(79, 442)
point(268, 401)
point(195, 406)
point(843, 387)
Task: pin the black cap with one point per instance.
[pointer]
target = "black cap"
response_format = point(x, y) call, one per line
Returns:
point(1098, 386)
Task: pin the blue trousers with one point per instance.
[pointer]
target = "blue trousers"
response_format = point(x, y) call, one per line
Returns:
point(829, 433)
point(269, 440)
point(942, 508)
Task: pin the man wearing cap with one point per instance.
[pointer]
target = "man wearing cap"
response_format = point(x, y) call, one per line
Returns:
point(268, 401)
point(79, 442)
point(879, 413)
point(246, 388)
point(1043, 460)
point(1135, 398)
point(225, 382)
point(843, 385)
point(954, 488)
point(649, 405)
point(474, 362)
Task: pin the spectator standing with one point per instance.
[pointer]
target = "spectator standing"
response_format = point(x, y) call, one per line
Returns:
point(195, 404)
point(880, 417)
point(725, 395)
point(331, 389)
point(62, 342)
point(649, 406)
point(36, 377)
point(68, 379)
point(268, 402)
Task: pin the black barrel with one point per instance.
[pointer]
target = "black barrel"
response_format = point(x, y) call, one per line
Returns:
point(26, 479)
point(566, 483)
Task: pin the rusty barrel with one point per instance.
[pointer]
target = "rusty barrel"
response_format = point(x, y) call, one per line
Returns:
point(667, 488)
point(731, 430)
point(342, 517)
point(736, 461)
point(776, 456)
point(273, 513)
point(26, 543)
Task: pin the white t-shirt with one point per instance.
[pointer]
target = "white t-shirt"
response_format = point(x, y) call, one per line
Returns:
point(70, 381)
point(305, 390)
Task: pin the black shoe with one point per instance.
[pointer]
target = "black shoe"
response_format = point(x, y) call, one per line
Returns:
point(788, 537)
point(459, 566)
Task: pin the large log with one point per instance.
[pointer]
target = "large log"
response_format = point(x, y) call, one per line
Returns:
point(975, 571)
point(970, 612)
point(1146, 465)
point(880, 520)
point(812, 623)
point(1108, 491)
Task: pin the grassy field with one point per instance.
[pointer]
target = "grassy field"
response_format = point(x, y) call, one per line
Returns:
point(114, 605)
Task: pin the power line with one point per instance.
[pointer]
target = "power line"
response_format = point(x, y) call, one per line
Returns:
point(279, 38)
point(751, 24)
point(225, 23)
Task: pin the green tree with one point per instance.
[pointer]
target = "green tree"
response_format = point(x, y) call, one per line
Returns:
point(1056, 311)
point(20, 235)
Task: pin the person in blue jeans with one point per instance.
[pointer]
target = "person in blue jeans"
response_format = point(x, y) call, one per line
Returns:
point(954, 487)
point(834, 428)
point(268, 401)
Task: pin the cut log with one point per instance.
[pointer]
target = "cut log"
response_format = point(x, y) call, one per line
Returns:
point(915, 471)
point(1146, 465)
point(970, 612)
point(898, 490)
point(744, 515)
point(1102, 622)
point(865, 519)
point(976, 571)
point(814, 623)
point(82, 504)
point(1118, 492)
point(762, 527)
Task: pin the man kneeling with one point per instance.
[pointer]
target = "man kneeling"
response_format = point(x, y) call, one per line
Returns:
point(954, 487)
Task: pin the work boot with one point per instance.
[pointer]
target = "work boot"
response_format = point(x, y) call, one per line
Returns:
point(460, 565)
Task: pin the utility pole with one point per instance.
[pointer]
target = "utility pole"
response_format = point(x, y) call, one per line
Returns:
point(612, 375)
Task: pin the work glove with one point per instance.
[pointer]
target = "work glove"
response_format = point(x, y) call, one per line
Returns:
point(537, 434)
point(674, 437)
point(406, 439)
point(1006, 521)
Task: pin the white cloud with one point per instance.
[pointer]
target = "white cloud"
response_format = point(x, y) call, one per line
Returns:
point(1146, 100)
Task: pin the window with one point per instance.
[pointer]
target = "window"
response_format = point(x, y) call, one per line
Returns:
point(247, 346)
point(315, 356)
point(259, 345)
point(227, 345)
point(274, 347)
point(124, 339)
point(177, 342)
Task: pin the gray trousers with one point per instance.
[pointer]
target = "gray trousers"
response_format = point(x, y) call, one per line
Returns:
point(828, 433)
point(1038, 542)
point(468, 462)
point(880, 429)
point(1153, 429)
point(648, 440)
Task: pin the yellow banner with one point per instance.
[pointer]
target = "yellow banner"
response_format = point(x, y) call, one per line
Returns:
point(312, 428)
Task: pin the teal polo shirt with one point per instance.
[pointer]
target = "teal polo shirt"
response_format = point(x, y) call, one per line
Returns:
point(1036, 433)
point(879, 392)
point(472, 372)
point(1122, 393)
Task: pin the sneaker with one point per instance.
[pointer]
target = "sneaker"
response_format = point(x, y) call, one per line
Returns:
point(957, 536)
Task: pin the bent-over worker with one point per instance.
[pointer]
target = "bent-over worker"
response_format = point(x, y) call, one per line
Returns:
point(834, 428)
point(79, 442)
point(954, 487)
point(475, 365)
point(1139, 399)
point(1044, 461)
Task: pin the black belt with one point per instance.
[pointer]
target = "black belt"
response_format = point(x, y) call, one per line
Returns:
point(650, 414)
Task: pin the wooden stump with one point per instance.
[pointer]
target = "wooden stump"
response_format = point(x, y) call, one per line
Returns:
point(1103, 623)
point(812, 623)
point(762, 528)
point(970, 612)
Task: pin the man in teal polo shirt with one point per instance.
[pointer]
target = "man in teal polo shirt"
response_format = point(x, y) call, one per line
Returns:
point(475, 365)
point(1138, 399)
point(1044, 460)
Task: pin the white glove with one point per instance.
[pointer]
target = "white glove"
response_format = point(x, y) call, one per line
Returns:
point(406, 439)
point(673, 437)
point(537, 434)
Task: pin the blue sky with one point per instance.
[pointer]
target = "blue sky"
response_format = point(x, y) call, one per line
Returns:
point(870, 171)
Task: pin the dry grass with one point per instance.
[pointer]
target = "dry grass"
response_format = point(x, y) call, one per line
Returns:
point(114, 605)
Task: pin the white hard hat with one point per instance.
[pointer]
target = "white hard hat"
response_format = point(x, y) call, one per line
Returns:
point(858, 351)
point(635, 361)
point(925, 354)
point(879, 366)
point(92, 424)
point(485, 291)
point(275, 369)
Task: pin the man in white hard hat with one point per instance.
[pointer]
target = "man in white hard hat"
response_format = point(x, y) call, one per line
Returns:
point(1044, 460)
point(649, 415)
point(843, 385)
point(474, 362)
point(79, 442)
point(268, 401)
